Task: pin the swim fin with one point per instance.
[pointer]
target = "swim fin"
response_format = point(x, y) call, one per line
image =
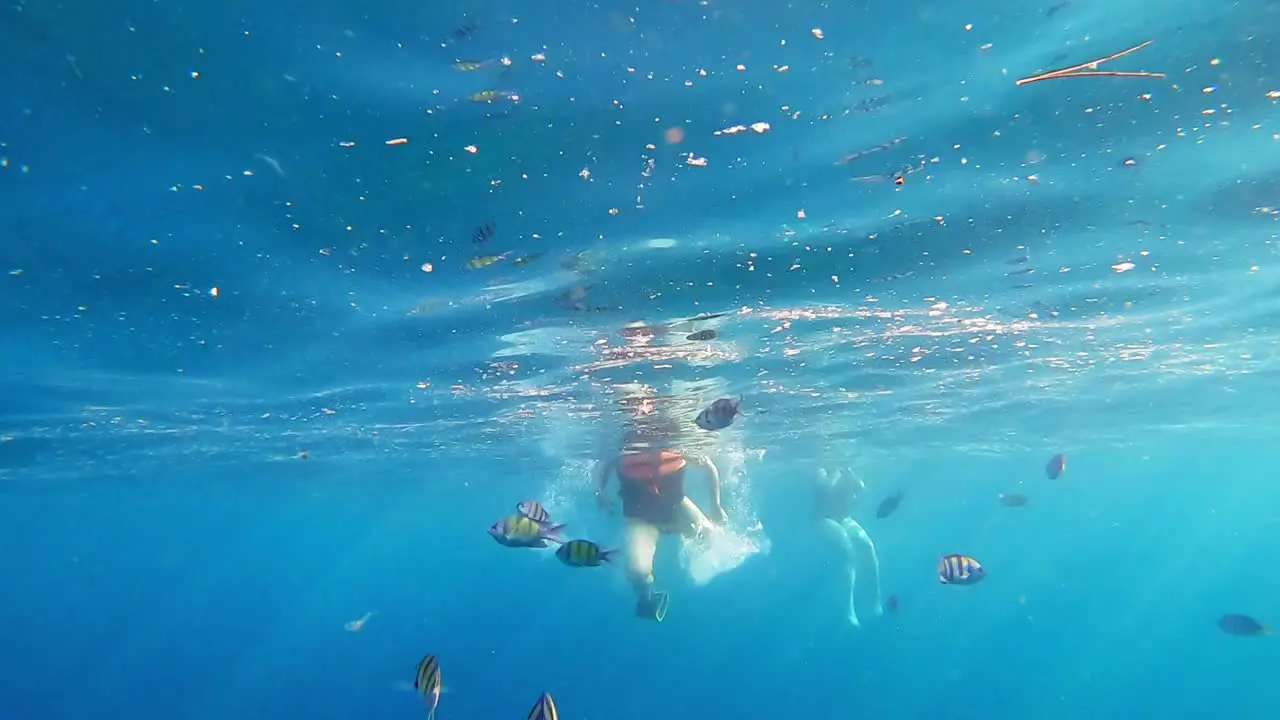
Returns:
point(653, 608)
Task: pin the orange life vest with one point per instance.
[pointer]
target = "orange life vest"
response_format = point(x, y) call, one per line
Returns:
point(649, 468)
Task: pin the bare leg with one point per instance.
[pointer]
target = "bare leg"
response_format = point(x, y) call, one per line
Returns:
point(861, 543)
point(834, 534)
point(642, 545)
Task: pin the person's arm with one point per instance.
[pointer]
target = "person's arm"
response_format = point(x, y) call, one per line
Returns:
point(604, 469)
point(713, 479)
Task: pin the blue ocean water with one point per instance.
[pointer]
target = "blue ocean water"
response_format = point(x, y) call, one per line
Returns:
point(254, 390)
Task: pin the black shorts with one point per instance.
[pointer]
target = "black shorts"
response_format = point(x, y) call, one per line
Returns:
point(659, 510)
point(657, 504)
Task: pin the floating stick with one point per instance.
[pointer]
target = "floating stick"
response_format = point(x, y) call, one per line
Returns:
point(1090, 69)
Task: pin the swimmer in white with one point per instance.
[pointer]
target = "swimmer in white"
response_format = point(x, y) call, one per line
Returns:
point(835, 494)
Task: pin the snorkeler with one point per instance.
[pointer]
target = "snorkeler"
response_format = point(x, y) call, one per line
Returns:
point(835, 495)
point(651, 485)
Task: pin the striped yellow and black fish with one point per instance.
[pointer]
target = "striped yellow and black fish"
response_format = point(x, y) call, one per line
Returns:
point(474, 65)
point(719, 414)
point(427, 683)
point(583, 553)
point(545, 709)
point(533, 510)
point(480, 263)
point(960, 570)
point(492, 96)
point(521, 532)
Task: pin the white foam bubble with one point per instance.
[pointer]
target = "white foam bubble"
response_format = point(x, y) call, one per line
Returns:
point(719, 551)
point(725, 549)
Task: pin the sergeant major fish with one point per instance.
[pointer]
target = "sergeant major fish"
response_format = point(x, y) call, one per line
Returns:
point(1242, 626)
point(474, 65)
point(483, 233)
point(719, 414)
point(960, 570)
point(583, 553)
point(521, 532)
point(545, 709)
point(889, 505)
point(427, 683)
point(492, 96)
point(480, 263)
point(1056, 466)
point(533, 510)
point(1012, 499)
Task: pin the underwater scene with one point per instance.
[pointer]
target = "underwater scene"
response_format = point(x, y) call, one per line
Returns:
point(639, 361)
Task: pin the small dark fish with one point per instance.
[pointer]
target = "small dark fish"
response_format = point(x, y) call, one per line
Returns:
point(483, 233)
point(719, 414)
point(533, 510)
point(891, 605)
point(1242, 626)
point(701, 336)
point(465, 31)
point(870, 151)
point(1053, 9)
point(574, 262)
point(545, 709)
point(582, 307)
point(1055, 467)
point(869, 105)
point(1018, 260)
point(427, 682)
point(526, 259)
point(706, 316)
point(960, 570)
point(519, 531)
point(583, 553)
point(889, 505)
point(1023, 286)
point(1013, 500)
point(1020, 271)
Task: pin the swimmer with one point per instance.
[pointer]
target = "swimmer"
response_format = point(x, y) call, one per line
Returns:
point(651, 485)
point(835, 494)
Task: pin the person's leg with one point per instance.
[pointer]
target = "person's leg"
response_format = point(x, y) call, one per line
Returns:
point(860, 541)
point(690, 521)
point(642, 545)
point(833, 534)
